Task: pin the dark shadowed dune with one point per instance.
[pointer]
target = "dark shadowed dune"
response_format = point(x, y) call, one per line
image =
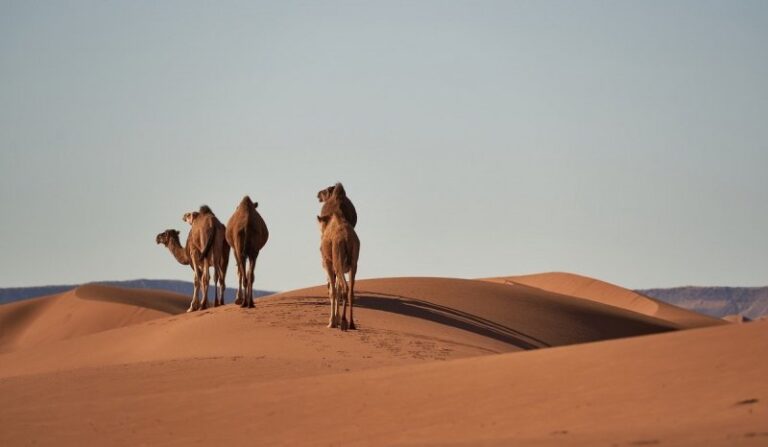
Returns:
point(602, 292)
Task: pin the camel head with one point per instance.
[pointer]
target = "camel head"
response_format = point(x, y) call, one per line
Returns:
point(325, 194)
point(190, 217)
point(166, 236)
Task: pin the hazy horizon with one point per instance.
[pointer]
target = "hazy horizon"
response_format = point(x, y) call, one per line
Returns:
point(623, 141)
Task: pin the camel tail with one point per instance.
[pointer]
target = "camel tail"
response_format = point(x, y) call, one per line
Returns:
point(247, 233)
point(341, 261)
point(209, 243)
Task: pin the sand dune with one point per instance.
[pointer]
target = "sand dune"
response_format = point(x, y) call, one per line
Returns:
point(435, 318)
point(435, 362)
point(85, 310)
point(523, 317)
point(600, 291)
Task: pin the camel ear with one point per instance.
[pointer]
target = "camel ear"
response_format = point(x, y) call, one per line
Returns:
point(255, 204)
point(323, 218)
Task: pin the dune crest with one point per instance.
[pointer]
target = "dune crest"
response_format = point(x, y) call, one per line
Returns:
point(85, 310)
point(592, 289)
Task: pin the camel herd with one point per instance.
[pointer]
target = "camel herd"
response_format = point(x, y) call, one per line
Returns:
point(209, 242)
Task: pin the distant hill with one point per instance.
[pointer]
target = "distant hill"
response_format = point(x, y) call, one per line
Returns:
point(750, 302)
point(12, 294)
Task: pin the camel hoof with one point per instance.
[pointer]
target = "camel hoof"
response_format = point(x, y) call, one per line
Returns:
point(344, 325)
point(352, 326)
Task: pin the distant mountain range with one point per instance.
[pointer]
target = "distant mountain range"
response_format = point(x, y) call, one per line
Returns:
point(750, 302)
point(183, 287)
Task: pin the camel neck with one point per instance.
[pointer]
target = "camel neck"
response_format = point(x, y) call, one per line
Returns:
point(178, 252)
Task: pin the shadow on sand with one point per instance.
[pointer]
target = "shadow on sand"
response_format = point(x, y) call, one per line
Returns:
point(439, 314)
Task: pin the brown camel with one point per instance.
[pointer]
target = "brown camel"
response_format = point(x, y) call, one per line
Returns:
point(340, 249)
point(247, 234)
point(218, 255)
point(170, 238)
point(200, 241)
point(329, 200)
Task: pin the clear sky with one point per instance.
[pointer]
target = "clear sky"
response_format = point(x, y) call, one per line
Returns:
point(622, 140)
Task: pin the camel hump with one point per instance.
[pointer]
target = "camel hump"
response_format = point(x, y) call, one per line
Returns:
point(348, 209)
point(246, 202)
point(205, 209)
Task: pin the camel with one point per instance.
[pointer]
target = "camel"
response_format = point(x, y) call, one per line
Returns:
point(170, 238)
point(247, 234)
point(327, 197)
point(340, 249)
point(199, 245)
point(218, 255)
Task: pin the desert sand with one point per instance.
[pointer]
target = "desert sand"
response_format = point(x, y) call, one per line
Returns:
point(550, 359)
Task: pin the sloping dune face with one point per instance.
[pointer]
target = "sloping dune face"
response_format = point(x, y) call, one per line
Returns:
point(85, 310)
point(600, 291)
point(523, 317)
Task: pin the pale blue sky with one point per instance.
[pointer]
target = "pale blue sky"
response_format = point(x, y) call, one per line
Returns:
point(622, 140)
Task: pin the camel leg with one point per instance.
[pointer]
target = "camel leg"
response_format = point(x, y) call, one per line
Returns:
point(240, 278)
point(332, 321)
point(223, 287)
point(205, 280)
point(194, 304)
point(251, 268)
point(196, 288)
point(240, 287)
point(336, 303)
point(216, 291)
point(244, 301)
point(223, 279)
point(248, 282)
point(342, 293)
point(351, 297)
